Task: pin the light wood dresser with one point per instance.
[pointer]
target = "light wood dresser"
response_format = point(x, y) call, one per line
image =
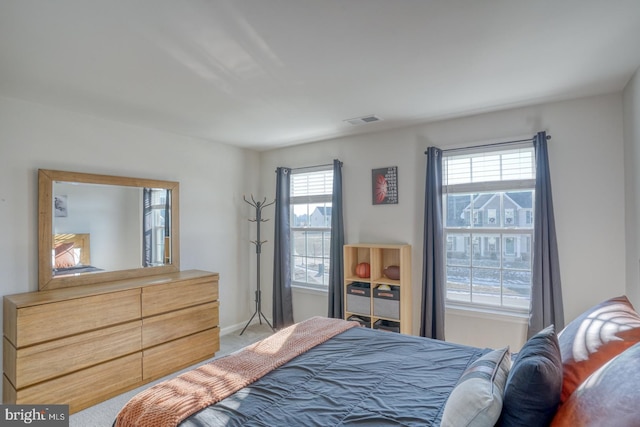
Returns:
point(82, 345)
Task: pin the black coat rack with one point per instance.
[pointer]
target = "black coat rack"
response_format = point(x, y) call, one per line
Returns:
point(258, 205)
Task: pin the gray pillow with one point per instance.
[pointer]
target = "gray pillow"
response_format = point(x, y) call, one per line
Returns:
point(476, 400)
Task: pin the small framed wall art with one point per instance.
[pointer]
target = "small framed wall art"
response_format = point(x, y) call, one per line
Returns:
point(384, 184)
point(60, 205)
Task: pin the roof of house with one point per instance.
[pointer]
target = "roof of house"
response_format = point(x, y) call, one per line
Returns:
point(524, 199)
point(324, 210)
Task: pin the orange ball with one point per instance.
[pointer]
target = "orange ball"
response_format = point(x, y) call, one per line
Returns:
point(363, 270)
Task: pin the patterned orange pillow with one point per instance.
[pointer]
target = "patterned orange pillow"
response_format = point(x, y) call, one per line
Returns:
point(609, 397)
point(595, 337)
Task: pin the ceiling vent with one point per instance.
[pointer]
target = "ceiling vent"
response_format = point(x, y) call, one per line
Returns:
point(363, 120)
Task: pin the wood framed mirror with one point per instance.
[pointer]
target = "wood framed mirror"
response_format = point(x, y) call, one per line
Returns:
point(99, 228)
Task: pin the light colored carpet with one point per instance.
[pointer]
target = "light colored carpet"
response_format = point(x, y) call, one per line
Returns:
point(103, 414)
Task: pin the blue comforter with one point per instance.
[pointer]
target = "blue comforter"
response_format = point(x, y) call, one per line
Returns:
point(360, 377)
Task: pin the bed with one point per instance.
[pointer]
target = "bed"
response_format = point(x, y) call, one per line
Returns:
point(355, 375)
point(359, 376)
point(71, 254)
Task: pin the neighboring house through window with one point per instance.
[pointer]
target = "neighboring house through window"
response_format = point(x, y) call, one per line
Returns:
point(488, 227)
point(310, 198)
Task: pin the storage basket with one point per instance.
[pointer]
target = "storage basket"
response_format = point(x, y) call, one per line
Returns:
point(363, 320)
point(387, 303)
point(386, 325)
point(359, 298)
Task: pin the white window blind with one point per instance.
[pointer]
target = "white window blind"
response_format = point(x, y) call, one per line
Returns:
point(305, 185)
point(505, 165)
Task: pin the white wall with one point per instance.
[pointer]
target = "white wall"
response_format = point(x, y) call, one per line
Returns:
point(214, 230)
point(587, 167)
point(631, 98)
point(586, 161)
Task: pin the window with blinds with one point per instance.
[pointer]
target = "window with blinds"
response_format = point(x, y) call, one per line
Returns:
point(310, 199)
point(488, 201)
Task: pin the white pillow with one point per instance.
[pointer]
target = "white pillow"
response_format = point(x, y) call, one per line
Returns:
point(476, 400)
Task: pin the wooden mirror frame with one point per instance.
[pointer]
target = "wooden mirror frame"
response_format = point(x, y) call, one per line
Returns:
point(46, 179)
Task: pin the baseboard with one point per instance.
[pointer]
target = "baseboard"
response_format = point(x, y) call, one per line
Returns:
point(238, 326)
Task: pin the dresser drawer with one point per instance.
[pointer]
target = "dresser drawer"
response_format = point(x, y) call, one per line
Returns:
point(162, 298)
point(87, 387)
point(46, 322)
point(60, 357)
point(176, 324)
point(181, 353)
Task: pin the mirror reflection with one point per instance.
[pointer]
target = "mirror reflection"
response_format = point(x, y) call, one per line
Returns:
point(100, 227)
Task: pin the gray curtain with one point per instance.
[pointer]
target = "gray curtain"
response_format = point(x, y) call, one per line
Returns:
point(282, 302)
point(336, 254)
point(546, 292)
point(433, 274)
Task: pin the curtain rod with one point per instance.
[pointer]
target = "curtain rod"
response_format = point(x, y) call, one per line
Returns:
point(313, 166)
point(494, 144)
point(309, 167)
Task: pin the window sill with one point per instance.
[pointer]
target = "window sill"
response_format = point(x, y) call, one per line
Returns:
point(491, 313)
point(311, 290)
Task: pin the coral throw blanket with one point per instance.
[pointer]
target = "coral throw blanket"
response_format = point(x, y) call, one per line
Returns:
point(170, 402)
